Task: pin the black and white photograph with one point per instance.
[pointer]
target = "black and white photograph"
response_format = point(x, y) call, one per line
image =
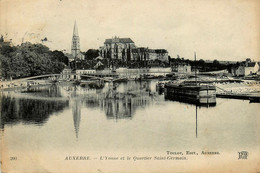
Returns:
point(135, 86)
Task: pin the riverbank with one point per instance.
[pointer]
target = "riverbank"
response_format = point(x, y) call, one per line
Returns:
point(21, 88)
point(252, 98)
point(225, 87)
point(244, 87)
point(34, 85)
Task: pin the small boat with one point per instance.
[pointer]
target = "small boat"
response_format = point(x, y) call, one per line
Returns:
point(76, 82)
point(121, 79)
point(160, 86)
point(148, 76)
point(108, 78)
point(97, 84)
point(171, 76)
point(54, 81)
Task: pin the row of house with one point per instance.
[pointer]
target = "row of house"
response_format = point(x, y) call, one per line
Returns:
point(246, 68)
point(67, 73)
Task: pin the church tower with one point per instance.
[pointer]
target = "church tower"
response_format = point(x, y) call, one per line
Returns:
point(75, 46)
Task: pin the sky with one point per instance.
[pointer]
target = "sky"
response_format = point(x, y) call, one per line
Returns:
point(214, 29)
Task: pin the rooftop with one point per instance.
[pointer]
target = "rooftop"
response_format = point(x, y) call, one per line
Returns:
point(251, 64)
point(118, 40)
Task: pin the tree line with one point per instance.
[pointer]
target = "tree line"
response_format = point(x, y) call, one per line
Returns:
point(29, 59)
point(200, 65)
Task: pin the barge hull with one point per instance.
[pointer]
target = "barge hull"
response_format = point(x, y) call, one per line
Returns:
point(203, 94)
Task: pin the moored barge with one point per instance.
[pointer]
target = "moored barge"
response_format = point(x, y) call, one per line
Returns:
point(191, 91)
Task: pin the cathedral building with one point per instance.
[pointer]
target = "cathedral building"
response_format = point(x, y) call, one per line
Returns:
point(124, 49)
point(118, 48)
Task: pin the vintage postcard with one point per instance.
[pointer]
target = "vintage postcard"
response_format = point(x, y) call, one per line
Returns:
point(145, 86)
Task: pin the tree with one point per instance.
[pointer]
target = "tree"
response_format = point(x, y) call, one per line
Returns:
point(215, 62)
point(4, 66)
point(1, 39)
point(30, 60)
point(248, 60)
point(6, 50)
point(60, 57)
point(91, 54)
point(201, 61)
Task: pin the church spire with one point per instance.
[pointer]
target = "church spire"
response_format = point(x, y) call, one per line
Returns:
point(75, 30)
point(75, 45)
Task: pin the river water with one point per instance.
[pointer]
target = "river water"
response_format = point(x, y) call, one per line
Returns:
point(56, 121)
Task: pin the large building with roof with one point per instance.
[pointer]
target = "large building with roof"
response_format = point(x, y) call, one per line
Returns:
point(118, 48)
point(125, 49)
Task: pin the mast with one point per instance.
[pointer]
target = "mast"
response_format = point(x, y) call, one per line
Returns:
point(196, 121)
point(195, 68)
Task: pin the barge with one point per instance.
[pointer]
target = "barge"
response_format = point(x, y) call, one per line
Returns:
point(191, 92)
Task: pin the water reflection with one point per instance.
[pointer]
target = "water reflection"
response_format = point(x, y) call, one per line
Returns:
point(196, 121)
point(117, 101)
point(107, 119)
point(76, 111)
point(44, 91)
point(118, 105)
point(27, 110)
point(201, 102)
